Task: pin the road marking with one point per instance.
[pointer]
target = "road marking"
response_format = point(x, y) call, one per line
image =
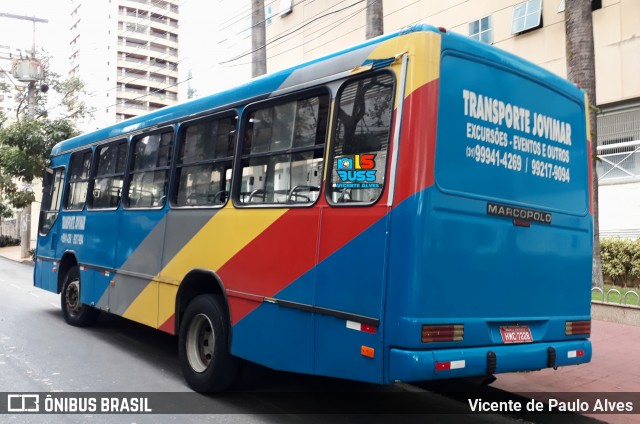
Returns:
point(15, 286)
point(33, 294)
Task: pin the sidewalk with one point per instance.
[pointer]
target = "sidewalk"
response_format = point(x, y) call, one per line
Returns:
point(614, 367)
point(13, 253)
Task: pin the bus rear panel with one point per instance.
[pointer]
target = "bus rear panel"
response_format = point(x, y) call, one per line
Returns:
point(492, 274)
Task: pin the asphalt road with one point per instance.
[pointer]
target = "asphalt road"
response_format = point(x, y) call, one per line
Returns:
point(39, 352)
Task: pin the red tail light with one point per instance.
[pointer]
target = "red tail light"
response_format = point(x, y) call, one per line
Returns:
point(573, 328)
point(442, 333)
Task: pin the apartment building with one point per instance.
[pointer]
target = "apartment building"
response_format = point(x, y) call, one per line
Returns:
point(534, 29)
point(126, 52)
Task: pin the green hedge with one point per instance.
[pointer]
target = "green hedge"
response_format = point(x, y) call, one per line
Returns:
point(9, 241)
point(621, 262)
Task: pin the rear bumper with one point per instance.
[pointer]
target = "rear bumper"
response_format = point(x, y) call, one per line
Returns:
point(420, 365)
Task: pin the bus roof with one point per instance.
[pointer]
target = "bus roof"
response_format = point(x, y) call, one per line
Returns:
point(263, 86)
point(260, 86)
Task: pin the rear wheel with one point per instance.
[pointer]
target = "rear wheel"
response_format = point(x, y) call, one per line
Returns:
point(205, 360)
point(75, 313)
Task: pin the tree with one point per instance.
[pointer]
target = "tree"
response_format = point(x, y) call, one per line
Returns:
point(581, 70)
point(375, 19)
point(26, 142)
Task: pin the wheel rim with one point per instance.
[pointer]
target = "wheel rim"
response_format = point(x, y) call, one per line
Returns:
point(200, 343)
point(72, 298)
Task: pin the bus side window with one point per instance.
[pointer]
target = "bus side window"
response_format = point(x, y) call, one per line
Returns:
point(78, 181)
point(149, 173)
point(51, 198)
point(204, 160)
point(282, 152)
point(361, 140)
point(109, 175)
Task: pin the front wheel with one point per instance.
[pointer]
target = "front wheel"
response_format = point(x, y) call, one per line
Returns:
point(205, 360)
point(75, 313)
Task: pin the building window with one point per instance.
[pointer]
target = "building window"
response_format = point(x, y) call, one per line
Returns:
point(481, 30)
point(286, 7)
point(205, 157)
point(78, 181)
point(361, 139)
point(619, 144)
point(268, 14)
point(282, 152)
point(149, 172)
point(527, 16)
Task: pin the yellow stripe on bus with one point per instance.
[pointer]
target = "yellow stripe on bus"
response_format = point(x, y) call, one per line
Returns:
point(424, 59)
point(144, 309)
point(228, 232)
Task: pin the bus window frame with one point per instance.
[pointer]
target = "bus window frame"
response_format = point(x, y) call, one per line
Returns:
point(124, 200)
point(62, 195)
point(334, 128)
point(68, 182)
point(178, 139)
point(236, 179)
point(94, 169)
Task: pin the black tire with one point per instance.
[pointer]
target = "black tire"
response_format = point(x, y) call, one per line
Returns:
point(75, 313)
point(203, 348)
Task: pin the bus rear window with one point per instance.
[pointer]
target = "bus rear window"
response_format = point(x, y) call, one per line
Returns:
point(363, 125)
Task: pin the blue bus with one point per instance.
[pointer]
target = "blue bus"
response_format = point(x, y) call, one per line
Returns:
point(415, 207)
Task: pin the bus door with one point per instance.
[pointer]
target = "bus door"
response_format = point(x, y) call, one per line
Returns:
point(99, 222)
point(134, 292)
point(353, 238)
point(45, 276)
point(279, 185)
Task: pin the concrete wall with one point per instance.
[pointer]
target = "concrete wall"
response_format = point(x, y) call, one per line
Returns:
point(629, 315)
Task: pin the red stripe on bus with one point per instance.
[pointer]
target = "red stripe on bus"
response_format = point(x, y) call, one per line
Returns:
point(169, 325)
point(274, 259)
point(415, 172)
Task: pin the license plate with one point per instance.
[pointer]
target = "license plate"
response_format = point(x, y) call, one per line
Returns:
point(519, 334)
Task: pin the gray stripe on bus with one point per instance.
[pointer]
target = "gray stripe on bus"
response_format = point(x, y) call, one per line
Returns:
point(307, 76)
point(146, 258)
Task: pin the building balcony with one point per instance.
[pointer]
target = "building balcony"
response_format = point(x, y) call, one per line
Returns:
point(146, 37)
point(130, 93)
point(169, 10)
point(168, 70)
point(167, 84)
point(129, 63)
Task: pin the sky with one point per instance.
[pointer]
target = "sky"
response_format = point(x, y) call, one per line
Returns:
point(18, 34)
point(200, 50)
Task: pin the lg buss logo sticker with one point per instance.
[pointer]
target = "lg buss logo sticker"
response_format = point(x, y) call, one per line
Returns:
point(357, 171)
